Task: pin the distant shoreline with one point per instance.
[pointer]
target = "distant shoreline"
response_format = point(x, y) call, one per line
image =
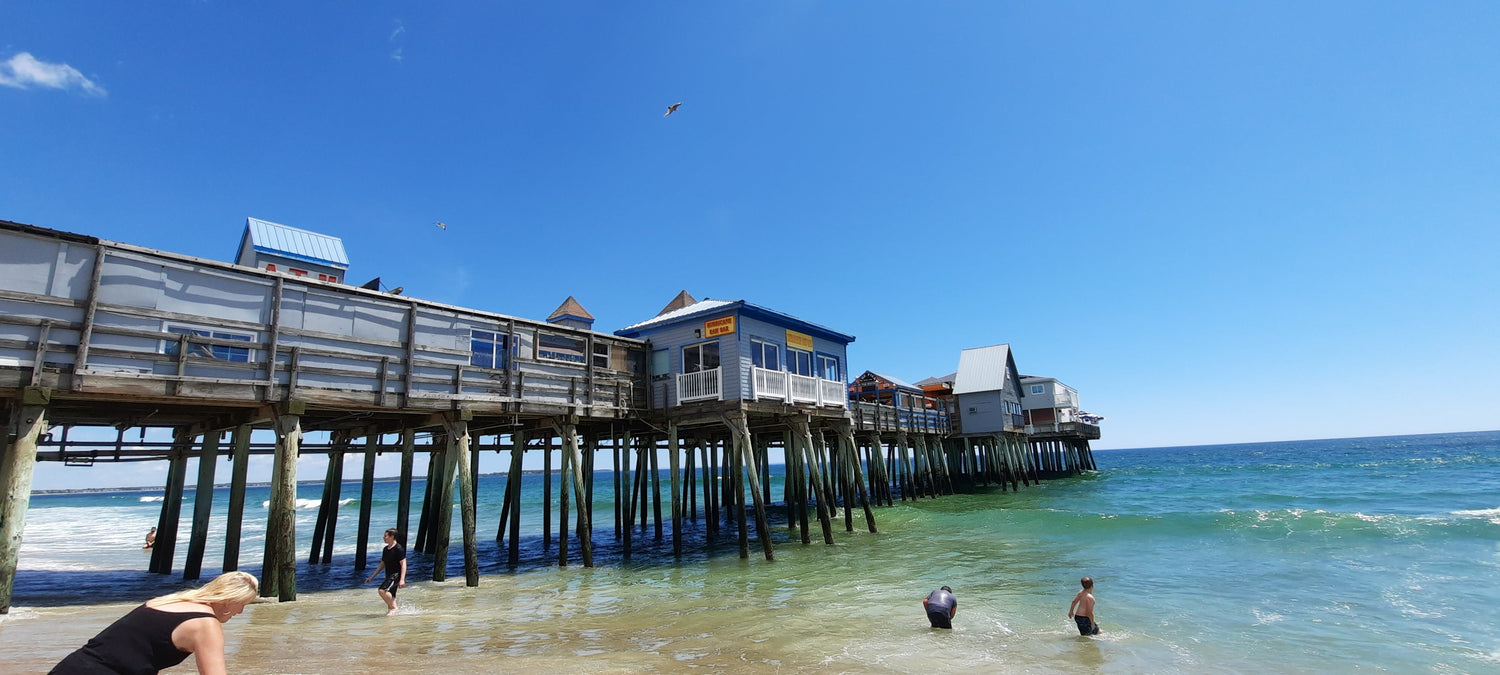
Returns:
point(192, 488)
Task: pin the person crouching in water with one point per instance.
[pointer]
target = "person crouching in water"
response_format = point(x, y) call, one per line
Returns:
point(941, 607)
point(164, 631)
point(393, 561)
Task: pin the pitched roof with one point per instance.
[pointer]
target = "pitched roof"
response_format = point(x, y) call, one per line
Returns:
point(700, 307)
point(900, 383)
point(570, 307)
point(941, 379)
point(982, 369)
point(284, 240)
point(683, 299)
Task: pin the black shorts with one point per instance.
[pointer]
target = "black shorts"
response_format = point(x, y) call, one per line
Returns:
point(1086, 626)
point(391, 583)
point(939, 619)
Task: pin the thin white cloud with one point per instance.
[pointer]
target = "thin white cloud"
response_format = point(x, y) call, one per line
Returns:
point(398, 36)
point(24, 71)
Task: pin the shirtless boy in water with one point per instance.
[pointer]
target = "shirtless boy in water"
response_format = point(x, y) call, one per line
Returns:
point(1082, 609)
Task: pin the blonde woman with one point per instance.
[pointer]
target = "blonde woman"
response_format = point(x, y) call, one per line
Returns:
point(161, 633)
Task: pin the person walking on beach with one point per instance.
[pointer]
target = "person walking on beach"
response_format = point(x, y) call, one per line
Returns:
point(162, 632)
point(393, 561)
point(941, 607)
point(1081, 611)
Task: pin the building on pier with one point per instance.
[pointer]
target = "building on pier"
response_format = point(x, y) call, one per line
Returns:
point(95, 333)
point(292, 251)
point(1058, 429)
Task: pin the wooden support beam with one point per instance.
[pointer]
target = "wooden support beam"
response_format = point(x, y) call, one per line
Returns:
point(203, 504)
point(672, 465)
point(513, 494)
point(366, 496)
point(740, 427)
point(585, 519)
point(171, 505)
point(403, 497)
point(280, 564)
point(236, 518)
point(851, 454)
point(458, 442)
point(29, 422)
point(442, 533)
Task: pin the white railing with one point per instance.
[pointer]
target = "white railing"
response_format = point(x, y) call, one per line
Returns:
point(700, 386)
point(804, 389)
point(783, 386)
point(766, 383)
point(833, 393)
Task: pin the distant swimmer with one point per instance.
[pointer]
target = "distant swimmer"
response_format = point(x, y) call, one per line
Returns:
point(941, 607)
point(393, 561)
point(1082, 609)
point(150, 539)
point(672, 108)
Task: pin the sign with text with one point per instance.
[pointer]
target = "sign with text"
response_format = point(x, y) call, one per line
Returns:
point(797, 340)
point(721, 326)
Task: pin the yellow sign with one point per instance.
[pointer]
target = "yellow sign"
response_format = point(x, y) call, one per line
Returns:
point(721, 326)
point(797, 340)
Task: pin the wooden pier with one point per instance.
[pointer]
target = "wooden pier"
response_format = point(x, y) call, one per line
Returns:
point(102, 342)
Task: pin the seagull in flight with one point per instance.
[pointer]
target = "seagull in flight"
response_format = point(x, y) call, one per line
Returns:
point(440, 225)
point(673, 108)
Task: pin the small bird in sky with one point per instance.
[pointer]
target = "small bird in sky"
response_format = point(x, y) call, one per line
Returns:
point(441, 225)
point(672, 108)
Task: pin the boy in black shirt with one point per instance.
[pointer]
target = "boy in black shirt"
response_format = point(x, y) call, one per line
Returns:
point(393, 556)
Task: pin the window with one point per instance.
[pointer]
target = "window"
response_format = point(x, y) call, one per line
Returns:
point(560, 348)
point(487, 349)
point(1037, 388)
point(699, 357)
point(270, 267)
point(296, 272)
point(765, 354)
point(799, 362)
point(327, 277)
point(221, 352)
point(828, 367)
point(601, 355)
point(661, 368)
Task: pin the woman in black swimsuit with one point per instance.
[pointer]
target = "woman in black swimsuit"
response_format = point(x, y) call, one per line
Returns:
point(164, 631)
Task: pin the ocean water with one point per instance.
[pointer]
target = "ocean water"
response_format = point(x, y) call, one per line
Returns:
point(1357, 555)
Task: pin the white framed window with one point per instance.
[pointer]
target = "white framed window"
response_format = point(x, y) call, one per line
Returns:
point(210, 351)
point(799, 362)
point(1037, 388)
point(765, 354)
point(828, 367)
point(601, 355)
point(700, 357)
point(487, 349)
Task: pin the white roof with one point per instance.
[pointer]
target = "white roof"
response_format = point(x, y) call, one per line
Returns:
point(981, 369)
point(695, 308)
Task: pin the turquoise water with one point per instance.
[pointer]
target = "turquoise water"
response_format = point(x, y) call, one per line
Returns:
point(1337, 555)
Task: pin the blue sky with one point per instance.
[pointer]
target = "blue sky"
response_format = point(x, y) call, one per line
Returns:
point(1221, 222)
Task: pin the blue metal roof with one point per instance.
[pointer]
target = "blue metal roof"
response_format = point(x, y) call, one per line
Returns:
point(291, 242)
